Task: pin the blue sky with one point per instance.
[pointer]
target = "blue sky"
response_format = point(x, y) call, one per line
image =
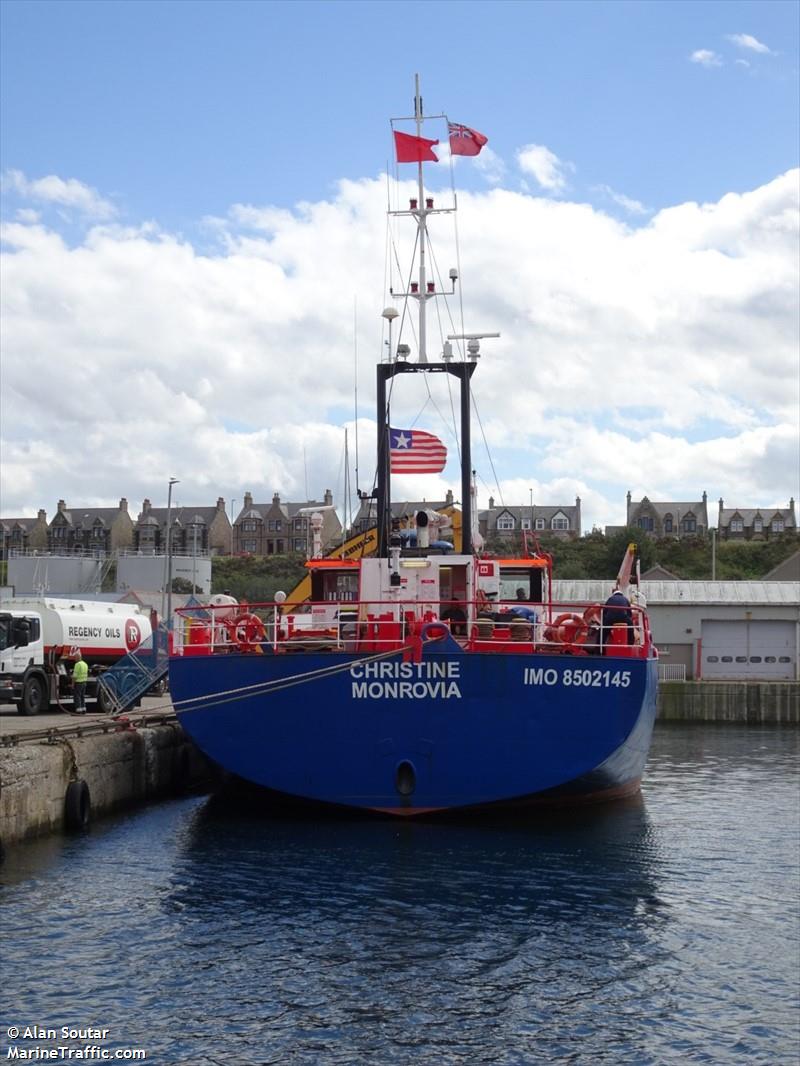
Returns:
point(176, 133)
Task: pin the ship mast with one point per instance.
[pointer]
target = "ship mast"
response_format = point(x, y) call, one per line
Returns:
point(422, 224)
point(422, 291)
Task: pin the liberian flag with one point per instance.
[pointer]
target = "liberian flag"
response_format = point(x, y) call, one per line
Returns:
point(464, 141)
point(413, 451)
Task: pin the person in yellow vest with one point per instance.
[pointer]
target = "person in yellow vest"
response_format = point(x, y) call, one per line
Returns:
point(80, 672)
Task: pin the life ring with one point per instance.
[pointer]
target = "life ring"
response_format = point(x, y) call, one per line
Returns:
point(247, 631)
point(434, 631)
point(77, 806)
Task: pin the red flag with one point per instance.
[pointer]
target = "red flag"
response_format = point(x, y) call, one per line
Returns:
point(413, 451)
point(464, 141)
point(414, 149)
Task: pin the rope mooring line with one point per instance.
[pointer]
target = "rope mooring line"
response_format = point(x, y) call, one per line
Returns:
point(267, 687)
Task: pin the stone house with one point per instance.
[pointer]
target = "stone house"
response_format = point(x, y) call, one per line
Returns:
point(195, 530)
point(508, 522)
point(90, 530)
point(279, 527)
point(668, 519)
point(755, 523)
point(23, 534)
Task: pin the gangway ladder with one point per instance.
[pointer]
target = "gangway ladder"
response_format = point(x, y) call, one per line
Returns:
point(122, 685)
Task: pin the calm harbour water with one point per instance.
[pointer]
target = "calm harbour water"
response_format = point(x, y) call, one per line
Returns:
point(664, 931)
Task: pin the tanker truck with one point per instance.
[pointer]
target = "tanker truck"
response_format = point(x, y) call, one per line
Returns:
point(39, 639)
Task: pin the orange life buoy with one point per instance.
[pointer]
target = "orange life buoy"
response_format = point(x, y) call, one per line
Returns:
point(247, 631)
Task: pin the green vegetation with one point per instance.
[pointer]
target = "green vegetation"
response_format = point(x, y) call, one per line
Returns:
point(598, 556)
point(256, 580)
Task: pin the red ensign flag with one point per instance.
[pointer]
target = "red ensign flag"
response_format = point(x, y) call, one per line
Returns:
point(414, 149)
point(412, 451)
point(464, 141)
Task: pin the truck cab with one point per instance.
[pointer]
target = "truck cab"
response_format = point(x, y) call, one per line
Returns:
point(23, 679)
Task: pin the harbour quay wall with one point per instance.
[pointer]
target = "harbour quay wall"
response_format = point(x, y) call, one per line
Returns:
point(736, 702)
point(62, 782)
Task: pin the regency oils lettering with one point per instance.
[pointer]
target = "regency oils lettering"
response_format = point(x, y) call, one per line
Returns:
point(415, 681)
point(112, 632)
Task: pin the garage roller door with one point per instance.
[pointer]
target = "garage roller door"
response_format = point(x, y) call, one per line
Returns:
point(749, 651)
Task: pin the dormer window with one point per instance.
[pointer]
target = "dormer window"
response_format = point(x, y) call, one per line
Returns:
point(668, 523)
point(560, 522)
point(737, 525)
point(505, 522)
point(539, 524)
point(689, 525)
point(646, 523)
point(777, 525)
point(758, 525)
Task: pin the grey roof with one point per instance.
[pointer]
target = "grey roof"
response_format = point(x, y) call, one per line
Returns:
point(369, 508)
point(88, 516)
point(663, 592)
point(182, 515)
point(788, 570)
point(288, 508)
point(748, 514)
point(539, 511)
point(24, 523)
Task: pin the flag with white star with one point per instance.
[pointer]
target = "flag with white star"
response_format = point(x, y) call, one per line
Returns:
point(412, 451)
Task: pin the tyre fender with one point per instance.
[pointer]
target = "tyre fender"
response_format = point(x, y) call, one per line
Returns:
point(77, 806)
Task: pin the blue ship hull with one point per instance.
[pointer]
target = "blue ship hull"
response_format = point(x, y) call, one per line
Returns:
point(454, 731)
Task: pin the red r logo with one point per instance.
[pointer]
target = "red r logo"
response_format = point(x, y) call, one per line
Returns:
point(133, 635)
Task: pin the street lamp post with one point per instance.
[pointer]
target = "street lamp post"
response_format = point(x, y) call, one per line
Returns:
point(172, 481)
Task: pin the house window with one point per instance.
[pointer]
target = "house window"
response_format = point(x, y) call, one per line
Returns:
point(506, 522)
point(645, 522)
point(279, 547)
point(299, 545)
point(271, 525)
point(737, 525)
point(540, 523)
point(526, 523)
point(777, 525)
point(249, 546)
point(298, 524)
point(250, 525)
point(758, 525)
point(58, 532)
point(560, 523)
point(668, 527)
point(689, 525)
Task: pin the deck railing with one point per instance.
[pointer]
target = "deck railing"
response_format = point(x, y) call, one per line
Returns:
point(366, 627)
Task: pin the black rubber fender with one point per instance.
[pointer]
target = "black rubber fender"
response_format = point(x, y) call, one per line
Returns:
point(77, 806)
point(181, 769)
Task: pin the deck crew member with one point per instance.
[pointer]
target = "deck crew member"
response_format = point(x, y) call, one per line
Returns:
point(617, 611)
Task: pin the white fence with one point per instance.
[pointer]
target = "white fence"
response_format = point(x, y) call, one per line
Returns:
point(671, 672)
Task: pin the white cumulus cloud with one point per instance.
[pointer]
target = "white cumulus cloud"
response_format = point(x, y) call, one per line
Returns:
point(752, 44)
point(543, 165)
point(68, 193)
point(663, 353)
point(706, 58)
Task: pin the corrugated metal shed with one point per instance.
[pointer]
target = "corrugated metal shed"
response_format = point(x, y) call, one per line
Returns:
point(785, 593)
